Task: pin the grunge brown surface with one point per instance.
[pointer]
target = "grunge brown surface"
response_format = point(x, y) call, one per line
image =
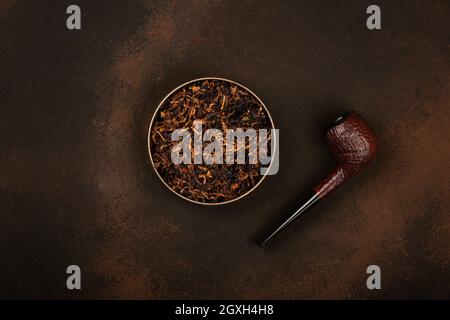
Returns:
point(76, 186)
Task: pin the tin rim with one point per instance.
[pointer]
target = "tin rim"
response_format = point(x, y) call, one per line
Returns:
point(149, 141)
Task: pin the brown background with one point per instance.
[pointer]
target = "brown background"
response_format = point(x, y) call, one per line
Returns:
point(76, 186)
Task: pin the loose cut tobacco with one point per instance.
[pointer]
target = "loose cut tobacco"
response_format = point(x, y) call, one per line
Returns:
point(219, 104)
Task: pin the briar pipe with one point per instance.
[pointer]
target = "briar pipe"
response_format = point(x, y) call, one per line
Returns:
point(353, 145)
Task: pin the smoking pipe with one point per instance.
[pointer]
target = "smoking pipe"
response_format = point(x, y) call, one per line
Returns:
point(353, 145)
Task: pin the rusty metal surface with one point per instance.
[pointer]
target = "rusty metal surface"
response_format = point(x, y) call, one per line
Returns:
point(76, 185)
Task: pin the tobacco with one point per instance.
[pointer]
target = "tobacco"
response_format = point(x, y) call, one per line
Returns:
point(219, 104)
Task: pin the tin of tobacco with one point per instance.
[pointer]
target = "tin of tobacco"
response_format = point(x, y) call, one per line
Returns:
point(211, 141)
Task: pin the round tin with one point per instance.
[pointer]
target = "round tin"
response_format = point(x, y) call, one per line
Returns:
point(149, 141)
